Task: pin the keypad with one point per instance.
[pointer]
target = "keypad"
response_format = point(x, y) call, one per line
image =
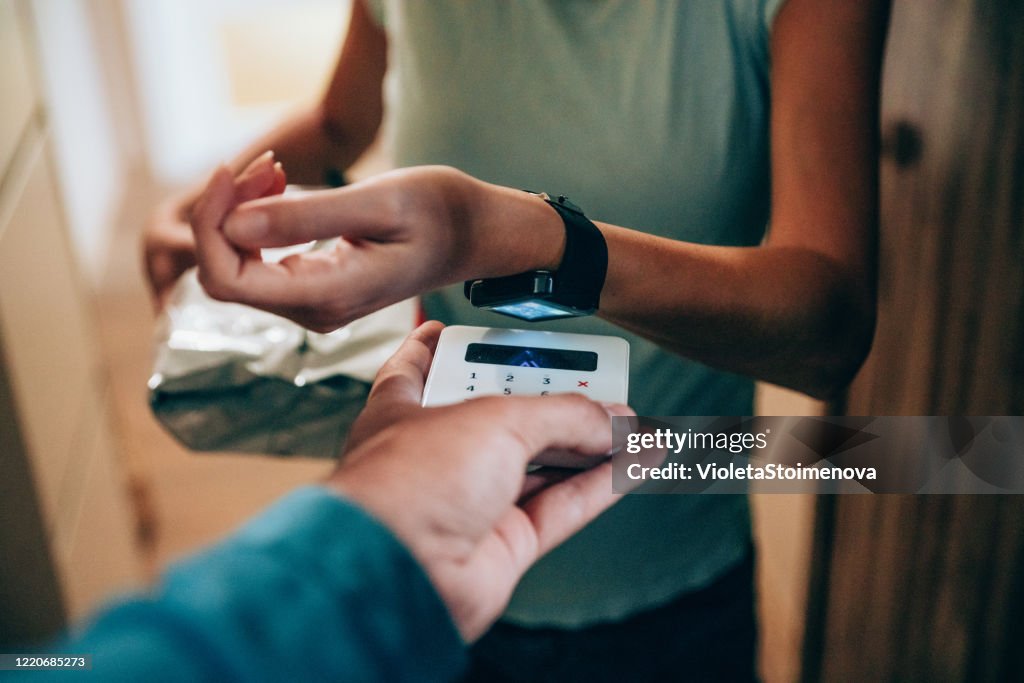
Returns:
point(525, 382)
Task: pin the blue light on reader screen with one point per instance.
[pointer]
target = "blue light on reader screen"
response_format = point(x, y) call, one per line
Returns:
point(532, 357)
point(525, 359)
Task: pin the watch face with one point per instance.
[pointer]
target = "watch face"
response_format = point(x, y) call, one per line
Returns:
point(533, 310)
point(527, 296)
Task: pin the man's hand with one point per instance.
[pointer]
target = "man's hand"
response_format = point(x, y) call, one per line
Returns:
point(449, 481)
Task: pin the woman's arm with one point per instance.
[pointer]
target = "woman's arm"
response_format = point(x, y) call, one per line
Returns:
point(314, 144)
point(330, 136)
point(797, 311)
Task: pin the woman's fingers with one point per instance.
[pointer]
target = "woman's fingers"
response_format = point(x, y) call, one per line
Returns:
point(353, 212)
point(397, 240)
point(257, 179)
point(217, 259)
point(280, 179)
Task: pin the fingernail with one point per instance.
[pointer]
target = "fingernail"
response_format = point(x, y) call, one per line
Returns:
point(247, 225)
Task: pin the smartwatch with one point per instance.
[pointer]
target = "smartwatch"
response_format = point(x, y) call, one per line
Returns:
point(573, 290)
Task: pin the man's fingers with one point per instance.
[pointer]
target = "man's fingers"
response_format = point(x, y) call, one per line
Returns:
point(541, 479)
point(352, 212)
point(398, 387)
point(563, 422)
point(401, 378)
point(562, 509)
point(525, 533)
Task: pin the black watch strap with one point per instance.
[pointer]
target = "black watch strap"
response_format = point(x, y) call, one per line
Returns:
point(580, 276)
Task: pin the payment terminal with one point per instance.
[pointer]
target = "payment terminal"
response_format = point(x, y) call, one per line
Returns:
point(485, 361)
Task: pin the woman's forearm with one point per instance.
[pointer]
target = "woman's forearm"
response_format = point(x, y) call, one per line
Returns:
point(789, 315)
point(786, 312)
point(313, 148)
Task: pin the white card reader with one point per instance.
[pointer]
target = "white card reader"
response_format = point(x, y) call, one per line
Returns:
point(484, 361)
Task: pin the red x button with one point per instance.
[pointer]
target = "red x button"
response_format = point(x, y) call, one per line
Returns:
point(581, 383)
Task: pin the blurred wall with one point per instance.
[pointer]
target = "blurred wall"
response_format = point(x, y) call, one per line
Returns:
point(91, 163)
point(159, 91)
point(213, 74)
point(66, 523)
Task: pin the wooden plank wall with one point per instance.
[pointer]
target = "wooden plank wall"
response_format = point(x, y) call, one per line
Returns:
point(915, 588)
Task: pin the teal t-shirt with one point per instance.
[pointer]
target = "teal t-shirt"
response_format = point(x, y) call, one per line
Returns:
point(648, 114)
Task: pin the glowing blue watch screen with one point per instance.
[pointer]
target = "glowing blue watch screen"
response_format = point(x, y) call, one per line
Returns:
point(533, 310)
point(531, 357)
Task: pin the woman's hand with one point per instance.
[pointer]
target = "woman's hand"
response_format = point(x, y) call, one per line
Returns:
point(168, 245)
point(402, 233)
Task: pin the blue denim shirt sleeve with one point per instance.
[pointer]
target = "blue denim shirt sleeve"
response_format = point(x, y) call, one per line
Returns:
point(312, 589)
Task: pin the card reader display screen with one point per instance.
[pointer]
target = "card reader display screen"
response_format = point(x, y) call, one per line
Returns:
point(531, 357)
